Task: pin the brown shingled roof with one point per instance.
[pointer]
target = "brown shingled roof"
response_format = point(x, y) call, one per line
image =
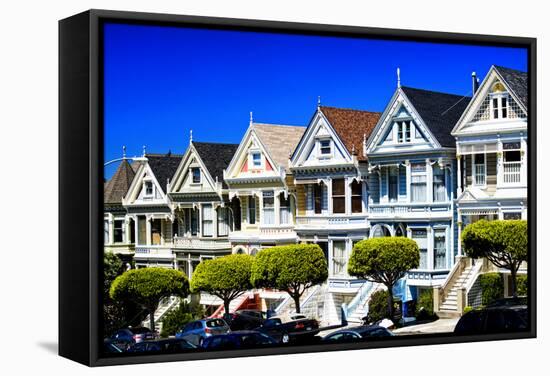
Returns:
point(352, 126)
point(279, 140)
point(117, 187)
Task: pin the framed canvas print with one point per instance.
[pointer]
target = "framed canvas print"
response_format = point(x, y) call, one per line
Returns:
point(236, 188)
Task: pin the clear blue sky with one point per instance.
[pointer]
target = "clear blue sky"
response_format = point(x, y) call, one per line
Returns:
point(160, 82)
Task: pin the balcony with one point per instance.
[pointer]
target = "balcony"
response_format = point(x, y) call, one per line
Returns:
point(410, 211)
point(153, 252)
point(512, 172)
point(265, 233)
point(347, 222)
point(195, 243)
point(344, 284)
point(427, 277)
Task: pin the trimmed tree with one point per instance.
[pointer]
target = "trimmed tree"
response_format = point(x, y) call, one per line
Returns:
point(148, 286)
point(385, 261)
point(226, 277)
point(291, 268)
point(504, 243)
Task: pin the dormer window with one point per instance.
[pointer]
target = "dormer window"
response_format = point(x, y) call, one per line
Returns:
point(148, 188)
point(404, 131)
point(500, 106)
point(325, 147)
point(256, 160)
point(196, 175)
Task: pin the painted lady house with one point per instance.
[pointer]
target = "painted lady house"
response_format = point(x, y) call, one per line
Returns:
point(148, 207)
point(329, 169)
point(412, 181)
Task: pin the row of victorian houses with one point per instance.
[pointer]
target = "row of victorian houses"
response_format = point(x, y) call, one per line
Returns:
point(424, 168)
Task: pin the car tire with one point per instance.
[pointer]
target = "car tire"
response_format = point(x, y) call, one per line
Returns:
point(285, 338)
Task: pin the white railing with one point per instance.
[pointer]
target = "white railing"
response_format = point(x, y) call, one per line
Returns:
point(512, 172)
point(335, 220)
point(200, 243)
point(400, 208)
point(153, 250)
point(277, 230)
point(362, 294)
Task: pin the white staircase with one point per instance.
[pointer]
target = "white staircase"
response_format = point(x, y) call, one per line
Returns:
point(165, 306)
point(454, 294)
point(359, 306)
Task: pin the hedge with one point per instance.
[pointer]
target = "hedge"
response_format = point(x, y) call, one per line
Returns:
point(492, 287)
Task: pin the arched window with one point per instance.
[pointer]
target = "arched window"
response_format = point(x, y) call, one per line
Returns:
point(380, 231)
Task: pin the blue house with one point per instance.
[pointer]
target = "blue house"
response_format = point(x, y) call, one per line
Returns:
point(412, 181)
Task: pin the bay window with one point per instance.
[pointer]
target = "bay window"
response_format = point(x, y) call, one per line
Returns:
point(511, 162)
point(339, 257)
point(318, 198)
point(338, 196)
point(440, 249)
point(284, 209)
point(251, 210)
point(392, 183)
point(421, 238)
point(418, 182)
point(439, 190)
point(268, 208)
point(207, 220)
point(356, 197)
point(224, 221)
point(105, 231)
point(118, 231)
point(156, 231)
point(479, 169)
point(191, 221)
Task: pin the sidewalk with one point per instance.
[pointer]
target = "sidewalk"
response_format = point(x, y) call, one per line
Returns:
point(438, 326)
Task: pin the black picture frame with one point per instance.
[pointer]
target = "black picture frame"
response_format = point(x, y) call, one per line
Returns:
point(81, 177)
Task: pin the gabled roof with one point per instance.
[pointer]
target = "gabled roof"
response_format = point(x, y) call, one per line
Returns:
point(352, 126)
point(516, 81)
point(163, 166)
point(119, 183)
point(216, 157)
point(279, 140)
point(439, 111)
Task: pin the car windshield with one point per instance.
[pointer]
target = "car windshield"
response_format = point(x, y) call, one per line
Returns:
point(217, 323)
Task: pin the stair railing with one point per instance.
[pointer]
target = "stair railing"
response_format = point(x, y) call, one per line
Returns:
point(361, 295)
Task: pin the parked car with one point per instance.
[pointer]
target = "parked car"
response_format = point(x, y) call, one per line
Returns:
point(509, 302)
point(124, 338)
point(496, 319)
point(171, 345)
point(197, 331)
point(358, 333)
point(110, 348)
point(238, 340)
point(292, 328)
point(245, 319)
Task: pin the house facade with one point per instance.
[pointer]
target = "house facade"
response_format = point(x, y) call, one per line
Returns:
point(260, 188)
point(412, 181)
point(491, 148)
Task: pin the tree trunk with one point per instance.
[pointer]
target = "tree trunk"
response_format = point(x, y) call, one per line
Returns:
point(513, 273)
point(296, 298)
point(390, 301)
point(226, 305)
point(152, 310)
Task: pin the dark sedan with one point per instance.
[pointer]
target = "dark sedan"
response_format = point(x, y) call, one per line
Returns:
point(124, 338)
point(165, 346)
point(238, 340)
point(293, 328)
point(358, 333)
point(497, 319)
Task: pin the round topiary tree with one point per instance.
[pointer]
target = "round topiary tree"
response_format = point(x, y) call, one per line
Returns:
point(226, 277)
point(384, 260)
point(291, 268)
point(504, 243)
point(148, 286)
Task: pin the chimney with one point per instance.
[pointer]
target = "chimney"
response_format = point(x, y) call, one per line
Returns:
point(475, 83)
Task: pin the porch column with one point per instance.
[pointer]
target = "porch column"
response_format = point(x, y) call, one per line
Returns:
point(347, 195)
point(364, 196)
point(136, 229)
point(276, 207)
point(148, 230)
point(500, 164)
point(127, 237)
point(329, 195)
point(408, 179)
point(458, 175)
point(430, 258)
point(189, 267)
point(429, 181)
point(215, 220)
point(459, 225)
point(260, 208)
point(111, 229)
point(523, 159)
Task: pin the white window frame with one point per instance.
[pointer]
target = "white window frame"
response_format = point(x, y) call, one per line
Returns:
point(320, 154)
point(402, 126)
point(145, 183)
point(191, 169)
point(417, 173)
point(474, 174)
point(446, 232)
point(427, 230)
point(251, 164)
point(505, 163)
point(500, 108)
point(211, 221)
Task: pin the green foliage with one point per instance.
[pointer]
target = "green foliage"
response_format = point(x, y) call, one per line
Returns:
point(492, 287)
point(226, 277)
point(378, 306)
point(179, 317)
point(467, 309)
point(283, 267)
point(522, 285)
point(112, 268)
point(148, 285)
point(502, 242)
point(291, 268)
point(384, 260)
point(425, 305)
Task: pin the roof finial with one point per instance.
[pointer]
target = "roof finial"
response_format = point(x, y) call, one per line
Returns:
point(398, 77)
point(144, 150)
point(123, 151)
point(190, 135)
point(318, 101)
point(251, 118)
